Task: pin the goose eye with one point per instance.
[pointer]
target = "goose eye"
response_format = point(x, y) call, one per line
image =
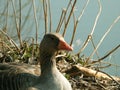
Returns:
point(52, 38)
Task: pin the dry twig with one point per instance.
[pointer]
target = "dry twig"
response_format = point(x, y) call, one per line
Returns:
point(68, 19)
point(17, 27)
point(35, 17)
point(63, 15)
point(95, 23)
point(76, 22)
point(45, 9)
point(109, 53)
point(109, 29)
point(10, 39)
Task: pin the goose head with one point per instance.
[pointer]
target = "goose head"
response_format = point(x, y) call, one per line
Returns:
point(53, 42)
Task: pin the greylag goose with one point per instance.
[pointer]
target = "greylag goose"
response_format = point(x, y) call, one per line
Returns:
point(20, 77)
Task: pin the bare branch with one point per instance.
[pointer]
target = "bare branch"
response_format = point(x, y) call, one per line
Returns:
point(71, 12)
point(10, 40)
point(63, 15)
point(109, 53)
point(45, 15)
point(95, 23)
point(76, 22)
point(35, 17)
point(49, 7)
point(17, 27)
point(109, 29)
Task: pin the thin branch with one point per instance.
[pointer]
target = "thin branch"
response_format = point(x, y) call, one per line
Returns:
point(109, 53)
point(71, 12)
point(95, 23)
point(74, 29)
point(94, 47)
point(101, 85)
point(27, 16)
point(11, 41)
point(35, 17)
point(109, 29)
point(45, 15)
point(73, 35)
point(50, 26)
point(61, 20)
point(5, 45)
point(20, 17)
point(83, 10)
point(7, 12)
point(84, 44)
point(111, 77)
point(76, 22)
point(63, 16)
point(97, 17)
point(17, 27)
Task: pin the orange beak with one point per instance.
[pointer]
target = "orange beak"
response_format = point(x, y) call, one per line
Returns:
point(64, 46)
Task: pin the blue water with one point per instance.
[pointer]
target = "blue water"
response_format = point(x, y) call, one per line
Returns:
point(110, 11)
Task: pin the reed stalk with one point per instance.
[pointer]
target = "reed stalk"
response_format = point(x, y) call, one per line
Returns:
point(93, 29)
point(16, 22)
point(35, 17)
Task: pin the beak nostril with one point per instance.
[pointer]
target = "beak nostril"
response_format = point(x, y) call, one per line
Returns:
point(64, 46)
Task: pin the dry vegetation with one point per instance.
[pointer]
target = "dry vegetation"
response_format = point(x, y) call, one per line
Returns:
point(80, 70)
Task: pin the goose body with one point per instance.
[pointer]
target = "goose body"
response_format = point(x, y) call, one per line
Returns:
point(13, 77)
point(45, 77)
